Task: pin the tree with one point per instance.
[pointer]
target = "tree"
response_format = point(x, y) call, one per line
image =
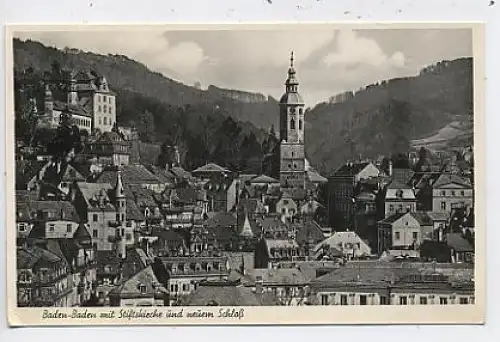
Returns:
point(146, 127)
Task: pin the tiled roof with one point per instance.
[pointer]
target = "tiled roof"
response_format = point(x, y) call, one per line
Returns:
point(273, 224)
point(229, 296)
point(131, 174)
point(57, 210)
point(308, 230)
point(221, 219)
point(446, 179)
point(28, 257)
point(438, 216)
point(315, 177)
point(133, 212)
point(264, 179)
point(210, 167)
point(219, 185)
point(422, 218)
point(71, 108)
point(280, 276)
point(165, 176)
point(397, 185)
point(351, 275)
point(94, 192)
point(350, 169)
point(246, 177)
point(393, 218)
point(131, 288)
point(281, 243)
point(180, 173)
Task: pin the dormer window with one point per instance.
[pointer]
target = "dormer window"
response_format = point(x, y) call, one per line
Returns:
point(143, 288)
point(399, 193)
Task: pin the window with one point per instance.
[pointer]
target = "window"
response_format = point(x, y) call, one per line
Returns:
point(98, 98)
point(185, 287)
point(123, 217)
point(300, 124)
point(423, 300)
point(128, 236)
point(443, 205)
point(397, 235)
point(143, 288)
point(105, 120)
point(443, 300)
point(400, 208)
point(343, 300)
point(99, 108)
point(22, 227)
point(443, 193)
point(415, 235)
point(463, 300)
point(100, 121)
point(94, 217)
point(324, 299)
point(51, 227)
point(453, 192)
point(362, 300)
point(391, 208)
point(104, 98)
point(403, 300)
point(69, 228)
point(383, 300)
point(94, 233)
point(292, 124)
point(300, 110)
point(462, 193)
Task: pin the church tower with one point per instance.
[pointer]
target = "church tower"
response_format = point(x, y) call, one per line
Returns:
point(292, 158)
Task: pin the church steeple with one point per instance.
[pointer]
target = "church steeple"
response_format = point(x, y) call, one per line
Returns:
point(291, 82)
point(292, 164)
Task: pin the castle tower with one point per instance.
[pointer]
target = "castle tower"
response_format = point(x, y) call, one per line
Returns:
point(292, 157)
point(72, 93)
point(48, 100)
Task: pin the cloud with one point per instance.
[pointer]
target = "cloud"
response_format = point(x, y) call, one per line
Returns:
point(147, 46)
point(353, 49)
point(327, 61)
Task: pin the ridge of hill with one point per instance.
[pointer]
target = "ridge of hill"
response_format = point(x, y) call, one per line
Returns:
point(384, 118)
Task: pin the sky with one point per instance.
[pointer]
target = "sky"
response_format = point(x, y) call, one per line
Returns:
point(327, 60)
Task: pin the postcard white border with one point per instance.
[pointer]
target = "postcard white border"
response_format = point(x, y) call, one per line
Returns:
point(470, 314)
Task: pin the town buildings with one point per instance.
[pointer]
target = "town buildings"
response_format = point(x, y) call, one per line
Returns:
point(102, 228)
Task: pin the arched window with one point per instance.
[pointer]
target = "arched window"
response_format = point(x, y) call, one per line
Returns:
point(292, 124)
point(300, 124)
point(300, 110)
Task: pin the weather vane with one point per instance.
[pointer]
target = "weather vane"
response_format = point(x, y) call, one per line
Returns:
point(291, 59)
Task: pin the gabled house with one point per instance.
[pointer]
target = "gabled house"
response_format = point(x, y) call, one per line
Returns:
point(451, 191)
point(399, 198)
point(348, 242)
point(399, 231)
